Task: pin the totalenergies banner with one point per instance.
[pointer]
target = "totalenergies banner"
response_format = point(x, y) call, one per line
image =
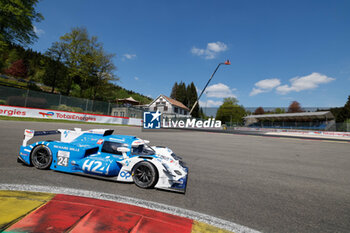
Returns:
point(13, 111)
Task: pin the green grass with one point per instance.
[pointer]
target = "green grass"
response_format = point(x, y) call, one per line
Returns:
point(22, 85)
point(7, 118)
point(15, 83)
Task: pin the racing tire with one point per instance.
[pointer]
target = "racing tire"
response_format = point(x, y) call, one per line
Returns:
point(145, 175)
point(41, 157)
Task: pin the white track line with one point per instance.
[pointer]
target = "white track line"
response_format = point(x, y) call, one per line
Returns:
point(230, 226)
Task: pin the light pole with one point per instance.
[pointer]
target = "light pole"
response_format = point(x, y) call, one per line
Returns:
point(223, 63)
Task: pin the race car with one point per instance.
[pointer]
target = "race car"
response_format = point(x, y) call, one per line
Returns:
point(97, 152)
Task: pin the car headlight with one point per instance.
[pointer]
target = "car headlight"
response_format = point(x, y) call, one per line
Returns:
point(176, 157)
point(164, 157)
point(178, 172)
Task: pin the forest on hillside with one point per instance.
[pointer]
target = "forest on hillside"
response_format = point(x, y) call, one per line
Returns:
point(75, 65)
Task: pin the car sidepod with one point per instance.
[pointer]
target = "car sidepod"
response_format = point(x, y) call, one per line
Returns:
point(98, 165)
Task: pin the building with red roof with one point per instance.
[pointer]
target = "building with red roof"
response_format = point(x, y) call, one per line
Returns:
point(169, 107)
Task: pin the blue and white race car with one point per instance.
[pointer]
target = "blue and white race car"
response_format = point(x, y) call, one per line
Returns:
point(97, 152)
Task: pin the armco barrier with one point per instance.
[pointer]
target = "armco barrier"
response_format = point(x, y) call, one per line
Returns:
point(13, 111)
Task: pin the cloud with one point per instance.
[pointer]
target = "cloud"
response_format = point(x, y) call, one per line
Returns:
point(265, 85)
point(308, 82)
point(268, 83)
point(297, 84)
point(129, 56)
point(217, 47)
point(38, 31)
point(211, 51)
point(136, 78)
point(256, 91)
point(219, 90)
point(210, 103)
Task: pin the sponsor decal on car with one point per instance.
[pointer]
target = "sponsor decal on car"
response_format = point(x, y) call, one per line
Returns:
point(66, 148)
point(100, 141)
point(125, 174)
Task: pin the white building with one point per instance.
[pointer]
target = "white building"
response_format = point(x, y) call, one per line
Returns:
point(169, 107)
point(128, 107)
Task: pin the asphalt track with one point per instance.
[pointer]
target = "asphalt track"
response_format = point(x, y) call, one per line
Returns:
point(265, 183)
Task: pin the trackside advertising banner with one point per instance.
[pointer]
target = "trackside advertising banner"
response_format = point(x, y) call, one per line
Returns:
point(303, 132)
point(12, 111)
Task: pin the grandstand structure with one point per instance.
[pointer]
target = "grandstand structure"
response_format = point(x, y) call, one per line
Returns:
point(303, 120)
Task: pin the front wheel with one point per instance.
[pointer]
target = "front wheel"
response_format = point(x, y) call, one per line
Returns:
point(41, 157)
point(144, 175)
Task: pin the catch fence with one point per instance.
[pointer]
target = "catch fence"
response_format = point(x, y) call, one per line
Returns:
point(35, 99)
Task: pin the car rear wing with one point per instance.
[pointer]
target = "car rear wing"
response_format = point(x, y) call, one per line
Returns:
point(29, 134)
point(67, 135)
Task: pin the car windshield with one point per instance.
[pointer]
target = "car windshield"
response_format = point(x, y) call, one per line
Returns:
point(112, 147)
point(142, 150)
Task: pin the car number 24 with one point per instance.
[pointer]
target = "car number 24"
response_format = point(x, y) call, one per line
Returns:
point(63, 158)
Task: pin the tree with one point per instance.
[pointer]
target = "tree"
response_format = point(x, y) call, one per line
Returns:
point(101, 70)
point(294, 107)
point(192, 98)
point(230, 111)
point(88, 66)
point(75, 44)
point(259, 111)
point(181, 93)
point(54, 66)
point(173, 91)
point(44, 69)
point(12, 56)
point(231, 100)
point(279, 110)
point(17, 69)
point(16, 20)
point(186, 95)
point(344, 113)
point(54, 74)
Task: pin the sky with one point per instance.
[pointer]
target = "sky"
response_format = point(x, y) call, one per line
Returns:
point(280, 51)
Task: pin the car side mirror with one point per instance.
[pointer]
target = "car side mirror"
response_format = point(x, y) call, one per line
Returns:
point(123, 149)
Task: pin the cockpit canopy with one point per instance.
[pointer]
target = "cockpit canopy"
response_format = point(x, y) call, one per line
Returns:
point(112, 147)
point(138, 147)
point(142, 149)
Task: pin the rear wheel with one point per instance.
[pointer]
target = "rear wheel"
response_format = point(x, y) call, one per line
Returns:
point(41, 157)
point(145, 175)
